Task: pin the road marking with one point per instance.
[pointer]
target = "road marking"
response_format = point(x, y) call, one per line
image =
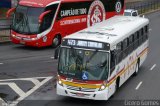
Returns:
point(33, 89)
point(19, 91)
point(3, 103)
point(153, 67)
point(14, 87)
point(1, 63)
point(24, 78)
point(52, 57)
point(140, 83)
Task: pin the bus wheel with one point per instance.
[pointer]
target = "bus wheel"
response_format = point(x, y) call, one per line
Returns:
point(137, 69)
point(56, 41)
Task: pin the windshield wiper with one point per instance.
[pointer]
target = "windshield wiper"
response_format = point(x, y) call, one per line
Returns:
point(27, 23)
point(19, 24)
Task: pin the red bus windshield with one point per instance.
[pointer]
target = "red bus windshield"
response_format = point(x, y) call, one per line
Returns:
point(25, 20)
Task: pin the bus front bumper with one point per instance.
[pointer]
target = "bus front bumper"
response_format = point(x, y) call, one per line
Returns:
point(97, 95)
point(33, 43)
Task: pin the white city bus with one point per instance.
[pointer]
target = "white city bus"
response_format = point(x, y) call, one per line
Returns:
point(95, 62)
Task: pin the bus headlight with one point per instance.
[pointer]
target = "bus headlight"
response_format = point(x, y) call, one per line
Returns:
point(33, 38)
point(60, 83)
point(13, 35)
point(102, 87)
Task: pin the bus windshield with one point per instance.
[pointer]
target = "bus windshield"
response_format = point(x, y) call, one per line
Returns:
point(25, 20)
point(83, 64)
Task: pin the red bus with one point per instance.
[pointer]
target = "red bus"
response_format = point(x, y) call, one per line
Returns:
point(42, 23)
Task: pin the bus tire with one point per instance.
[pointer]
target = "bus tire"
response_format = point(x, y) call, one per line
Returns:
point(56, 41)
point(136, 69)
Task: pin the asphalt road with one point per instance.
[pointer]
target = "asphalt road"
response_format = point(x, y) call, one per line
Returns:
point(18, 61)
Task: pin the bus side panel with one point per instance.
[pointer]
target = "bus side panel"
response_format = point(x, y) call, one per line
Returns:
point(144, 52)
point(76, 16)
point(125, 71)
point(128, 65)
point(112, 82)
point(72, 17)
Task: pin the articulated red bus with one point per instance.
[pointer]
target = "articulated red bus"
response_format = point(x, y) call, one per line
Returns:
point(42, 23)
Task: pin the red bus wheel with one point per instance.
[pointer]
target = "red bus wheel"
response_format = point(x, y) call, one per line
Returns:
point(56, 41)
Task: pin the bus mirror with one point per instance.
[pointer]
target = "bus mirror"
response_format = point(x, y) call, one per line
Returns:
point(56, 53)
point(9, 12)
point(42, 15)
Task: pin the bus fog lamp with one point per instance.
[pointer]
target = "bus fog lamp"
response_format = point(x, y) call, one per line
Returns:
point(33, 38)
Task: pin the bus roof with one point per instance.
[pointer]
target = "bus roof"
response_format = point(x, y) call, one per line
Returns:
point(44, 3)
point(111, 31)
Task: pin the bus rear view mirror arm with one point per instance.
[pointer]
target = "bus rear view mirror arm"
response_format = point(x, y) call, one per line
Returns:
point(56, 52)
point(42, 15)
point(10, 11)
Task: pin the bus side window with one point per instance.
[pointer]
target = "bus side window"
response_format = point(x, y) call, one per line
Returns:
point(142, 35)
point(138, 39)
point(135, 41)
point(130, 43)
point(47, 21)
point(146, 31)
point(145, 34)
point(112, 61)
point(125, 45)
point(146, 28)
point(119, 53)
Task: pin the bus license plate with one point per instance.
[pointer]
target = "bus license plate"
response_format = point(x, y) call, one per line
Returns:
point(80, 94)
point(22, 42)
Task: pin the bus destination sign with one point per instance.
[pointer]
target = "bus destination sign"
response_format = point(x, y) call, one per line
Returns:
point(84, 43)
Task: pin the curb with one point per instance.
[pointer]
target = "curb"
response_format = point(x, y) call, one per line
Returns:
point(5, 42)
point(152, 11)
point(133, 1)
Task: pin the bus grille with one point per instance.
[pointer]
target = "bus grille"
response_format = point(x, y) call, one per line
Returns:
point(80, 89)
